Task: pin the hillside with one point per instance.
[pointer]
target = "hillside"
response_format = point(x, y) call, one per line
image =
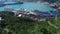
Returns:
point(23, 25)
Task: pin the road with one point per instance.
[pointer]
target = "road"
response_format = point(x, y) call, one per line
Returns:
point(52, 25)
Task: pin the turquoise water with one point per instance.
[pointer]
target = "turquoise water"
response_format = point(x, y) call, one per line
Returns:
point(29, 6)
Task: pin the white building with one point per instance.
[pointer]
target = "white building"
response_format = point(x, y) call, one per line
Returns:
point(0, 18)
point(19, 15)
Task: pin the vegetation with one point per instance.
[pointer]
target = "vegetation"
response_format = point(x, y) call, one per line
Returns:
point(24, 25)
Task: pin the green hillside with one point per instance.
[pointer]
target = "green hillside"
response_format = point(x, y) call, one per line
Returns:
point(23, 25)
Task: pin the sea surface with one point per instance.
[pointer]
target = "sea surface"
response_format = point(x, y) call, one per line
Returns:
point(29, 6)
